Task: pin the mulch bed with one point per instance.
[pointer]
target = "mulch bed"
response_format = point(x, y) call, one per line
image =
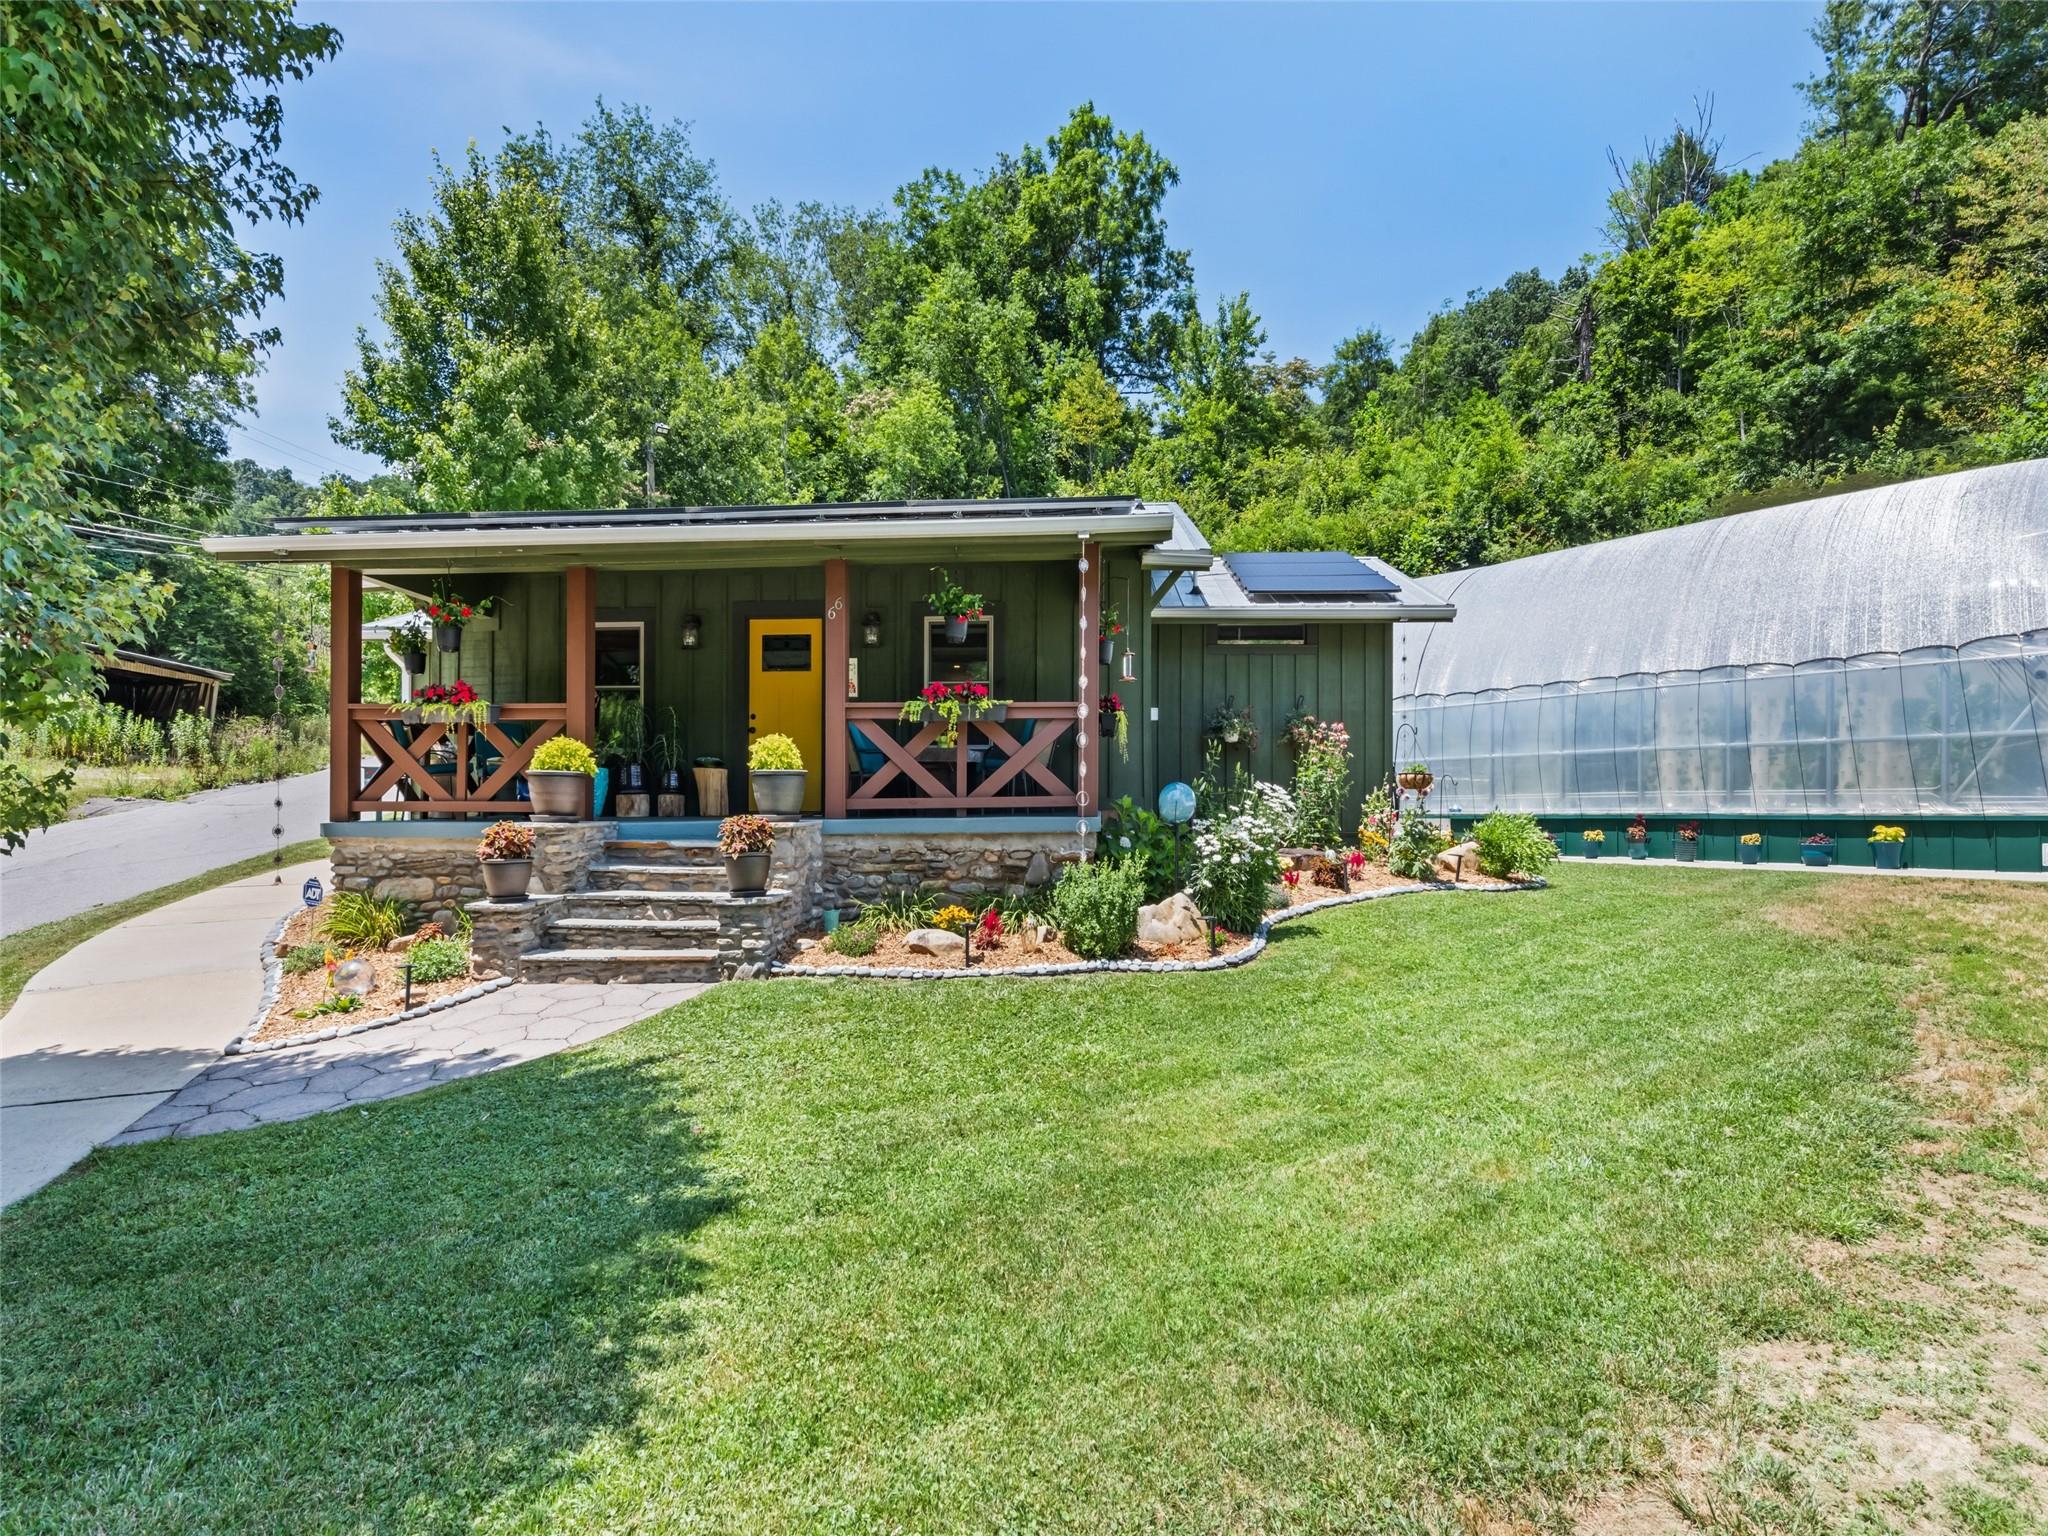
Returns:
point(309, 987)
point(1011, 952)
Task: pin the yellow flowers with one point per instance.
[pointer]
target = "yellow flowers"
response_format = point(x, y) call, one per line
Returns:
point(954, 919)
point(1594, 835)
point(1884, 834)
point(1752, 839)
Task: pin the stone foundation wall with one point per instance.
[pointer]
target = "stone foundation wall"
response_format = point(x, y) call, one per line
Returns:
point(505, 930)
point(862, 866)
point(439, 876)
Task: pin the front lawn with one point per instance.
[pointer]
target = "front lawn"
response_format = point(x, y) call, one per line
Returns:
point(1445, 1196)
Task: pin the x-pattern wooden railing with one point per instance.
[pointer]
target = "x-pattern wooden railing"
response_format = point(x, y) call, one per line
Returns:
point(989, 749)
point(402, 751)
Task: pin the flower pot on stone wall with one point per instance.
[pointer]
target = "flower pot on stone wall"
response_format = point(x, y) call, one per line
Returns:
point(507, 879)
point(557, 794)
point(747, 873)
point(778, 791)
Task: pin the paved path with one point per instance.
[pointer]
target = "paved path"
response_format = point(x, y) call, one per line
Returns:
point(126, 1019)
point(148, 843)
point(500, 1029)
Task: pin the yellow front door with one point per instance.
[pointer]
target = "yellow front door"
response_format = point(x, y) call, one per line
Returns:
point(786, 691)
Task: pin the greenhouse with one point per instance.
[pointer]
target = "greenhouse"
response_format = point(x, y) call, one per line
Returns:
point(1817, 667)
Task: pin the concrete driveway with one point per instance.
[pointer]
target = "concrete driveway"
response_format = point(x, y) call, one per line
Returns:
point(142, 844)
point(109, 1031)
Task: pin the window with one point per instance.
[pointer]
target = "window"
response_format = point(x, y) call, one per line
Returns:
point(1261, 634)
point(621, 651)
point(959, 661)
point(785, 653)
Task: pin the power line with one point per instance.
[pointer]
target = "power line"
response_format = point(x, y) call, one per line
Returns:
point(300, 450)
point(172, 493)
point(133, 535)
point(169, 487)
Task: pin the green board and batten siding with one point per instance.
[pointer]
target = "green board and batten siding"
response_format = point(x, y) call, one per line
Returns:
point(1345, 672)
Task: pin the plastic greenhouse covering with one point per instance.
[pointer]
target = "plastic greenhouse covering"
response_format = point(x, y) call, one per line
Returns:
point(1937, 730)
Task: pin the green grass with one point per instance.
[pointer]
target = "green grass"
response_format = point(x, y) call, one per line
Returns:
point(1443, 1196)
point(23, 954)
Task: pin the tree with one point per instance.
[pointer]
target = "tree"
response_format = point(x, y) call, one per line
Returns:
point(135, 137)
point(1685, 168)
point(1894, 66)
point(1360, 364)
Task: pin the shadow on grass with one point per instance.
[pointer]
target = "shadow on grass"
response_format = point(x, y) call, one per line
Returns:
point(377, 1319)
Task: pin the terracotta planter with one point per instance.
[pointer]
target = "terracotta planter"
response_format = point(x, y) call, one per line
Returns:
point(747, 875)
point(956, 628)
point(778, 791)
point(448, 637)
point(507, 879)
point(557, 793)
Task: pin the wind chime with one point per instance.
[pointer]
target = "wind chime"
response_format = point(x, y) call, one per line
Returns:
point(279, 660)
point(1082, 796)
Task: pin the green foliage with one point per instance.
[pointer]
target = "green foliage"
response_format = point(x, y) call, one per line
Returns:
point(301, 958)
point(900, 911)
point(1512, 844)
point(1131, 834)
point(1417, 842)
point(1095, 907)
point(1237, 854)
point(563, 754)
point(857, 939)
point(138, 137)
point(362, 921)
point(774, 753)
point(338, 1002)
point(440, 959)
point(621, 726)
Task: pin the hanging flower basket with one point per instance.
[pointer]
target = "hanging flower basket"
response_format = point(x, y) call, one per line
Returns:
point(955, 604)
point(450, 614)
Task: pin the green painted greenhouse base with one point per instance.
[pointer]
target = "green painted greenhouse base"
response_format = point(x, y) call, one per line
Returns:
point(2006, 844)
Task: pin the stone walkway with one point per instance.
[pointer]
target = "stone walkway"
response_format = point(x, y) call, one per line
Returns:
point(502, 1029)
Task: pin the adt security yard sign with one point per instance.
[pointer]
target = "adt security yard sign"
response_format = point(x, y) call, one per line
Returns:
point(310, 893)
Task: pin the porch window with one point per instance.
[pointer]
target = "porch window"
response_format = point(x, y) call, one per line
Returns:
point(971, 660)
point(621, 657)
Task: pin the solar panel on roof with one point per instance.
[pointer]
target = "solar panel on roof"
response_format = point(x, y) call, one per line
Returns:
point(1317, 574)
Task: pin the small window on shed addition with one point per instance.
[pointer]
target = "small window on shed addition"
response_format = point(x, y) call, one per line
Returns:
point(1261, 634)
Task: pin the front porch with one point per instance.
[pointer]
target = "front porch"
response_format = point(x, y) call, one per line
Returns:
point(676, 672)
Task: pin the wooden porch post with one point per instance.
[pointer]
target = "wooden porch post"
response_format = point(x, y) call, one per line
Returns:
point(579, 656)
point(344, 687)
point(838, 649)
point(1091, 692)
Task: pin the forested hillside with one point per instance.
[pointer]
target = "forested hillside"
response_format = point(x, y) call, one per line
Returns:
point(572, 312)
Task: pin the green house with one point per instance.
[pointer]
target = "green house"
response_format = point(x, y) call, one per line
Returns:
point(671, 638)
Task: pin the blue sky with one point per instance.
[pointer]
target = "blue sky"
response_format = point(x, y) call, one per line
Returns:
point(1349, 165)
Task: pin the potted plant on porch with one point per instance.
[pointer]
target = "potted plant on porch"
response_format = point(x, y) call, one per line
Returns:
point(557, 776)
point(1751, 847)
point(410, 638)
point(953, 603)
point(1817, 850)
point(1887, 846)
point(1234, 726)
point(747, 844)
point(1688, 849)
point(506, 854)
point(1106, 630)
point(451, 613)
point(775, 768)
point(1638, 835)
point(455, 703)
point(622, 734)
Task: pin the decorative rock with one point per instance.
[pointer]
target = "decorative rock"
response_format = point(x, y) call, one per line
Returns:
point(937, 942)
point(1038, 871)
point(1175, 920)
point(1458, 863)
point(806, 944)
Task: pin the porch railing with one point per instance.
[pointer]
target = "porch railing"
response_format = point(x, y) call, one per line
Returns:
point(991, 765)
point(448, 769)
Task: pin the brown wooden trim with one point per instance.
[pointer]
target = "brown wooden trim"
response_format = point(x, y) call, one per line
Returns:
point(403, 764)
point(344, 686)
point(838, 647)
point(579, 657)
point(905, 760)
point(1090, 788)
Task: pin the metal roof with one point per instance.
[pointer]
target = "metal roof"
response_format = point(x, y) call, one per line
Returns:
point(1218, 594)
point(142, 661)
point(1940, 561)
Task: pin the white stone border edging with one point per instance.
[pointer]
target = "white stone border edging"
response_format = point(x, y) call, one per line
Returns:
point(273, 980)
point(1239, 957)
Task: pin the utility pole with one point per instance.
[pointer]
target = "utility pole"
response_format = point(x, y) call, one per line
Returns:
point(660, 429)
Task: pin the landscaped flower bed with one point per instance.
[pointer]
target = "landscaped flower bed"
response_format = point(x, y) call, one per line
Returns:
point(306, 959)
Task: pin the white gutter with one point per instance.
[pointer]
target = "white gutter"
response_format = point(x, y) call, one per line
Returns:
point(1296, 613)
point(340, 545)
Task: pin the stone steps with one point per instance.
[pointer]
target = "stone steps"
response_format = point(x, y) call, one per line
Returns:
point(659, 905)
point(685, 853)
point(613, 875)
point(657, 933)
point(602, 965)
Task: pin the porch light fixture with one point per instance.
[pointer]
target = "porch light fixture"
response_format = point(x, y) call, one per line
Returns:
point(871, 628)
point(693, 632)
